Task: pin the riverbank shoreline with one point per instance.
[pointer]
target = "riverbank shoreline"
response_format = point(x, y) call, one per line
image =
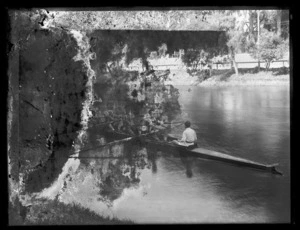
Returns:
point(221, 78)
point(248, 79)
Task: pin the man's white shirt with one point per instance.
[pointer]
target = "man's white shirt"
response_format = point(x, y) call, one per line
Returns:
point(189, 135)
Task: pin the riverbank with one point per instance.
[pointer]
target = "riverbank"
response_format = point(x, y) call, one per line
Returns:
point(229, 78)
point(247, 79)
point(54, 212)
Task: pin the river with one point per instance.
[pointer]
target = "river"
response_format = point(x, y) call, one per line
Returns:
point(149, 186)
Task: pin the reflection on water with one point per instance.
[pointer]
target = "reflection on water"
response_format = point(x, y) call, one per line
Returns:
point(249, 122)
point(98, 183)
point(148, 186)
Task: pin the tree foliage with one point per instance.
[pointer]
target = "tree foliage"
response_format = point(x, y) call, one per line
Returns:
point(271, 47)
point(242, 30)
point(114, 48)
point(193, 57)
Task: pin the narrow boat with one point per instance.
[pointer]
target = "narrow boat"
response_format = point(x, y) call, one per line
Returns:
point(212, 155)
point(145, 139)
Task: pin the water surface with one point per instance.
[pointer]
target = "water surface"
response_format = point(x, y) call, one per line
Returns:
point(149, 186)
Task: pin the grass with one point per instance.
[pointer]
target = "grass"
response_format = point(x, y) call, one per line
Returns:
point(54, 212)
point(247, 78)
point(227, 77)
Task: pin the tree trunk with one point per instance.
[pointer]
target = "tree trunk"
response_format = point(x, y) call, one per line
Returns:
point(278, 20)
point(232, 55)
point(268, 65)
point(250, 24)
point(145, 64)
point(236, 70)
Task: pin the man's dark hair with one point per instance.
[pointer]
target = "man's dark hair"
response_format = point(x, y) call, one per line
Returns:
point(187, 124)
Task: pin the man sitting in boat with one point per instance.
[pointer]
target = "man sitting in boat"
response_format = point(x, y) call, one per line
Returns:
point(189, 137)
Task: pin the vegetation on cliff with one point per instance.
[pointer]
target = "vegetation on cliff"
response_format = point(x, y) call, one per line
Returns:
point(54, 212)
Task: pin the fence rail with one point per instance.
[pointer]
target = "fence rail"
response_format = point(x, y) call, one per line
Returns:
point(252, 64)
point(219, 65)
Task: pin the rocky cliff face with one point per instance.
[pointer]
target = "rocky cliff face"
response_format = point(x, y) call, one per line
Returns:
point(47, 89)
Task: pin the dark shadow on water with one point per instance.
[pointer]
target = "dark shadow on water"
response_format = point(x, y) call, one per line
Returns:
point(152, 157)
point(187, 162)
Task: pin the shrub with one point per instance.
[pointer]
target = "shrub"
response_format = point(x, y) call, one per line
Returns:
point(270, 48)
